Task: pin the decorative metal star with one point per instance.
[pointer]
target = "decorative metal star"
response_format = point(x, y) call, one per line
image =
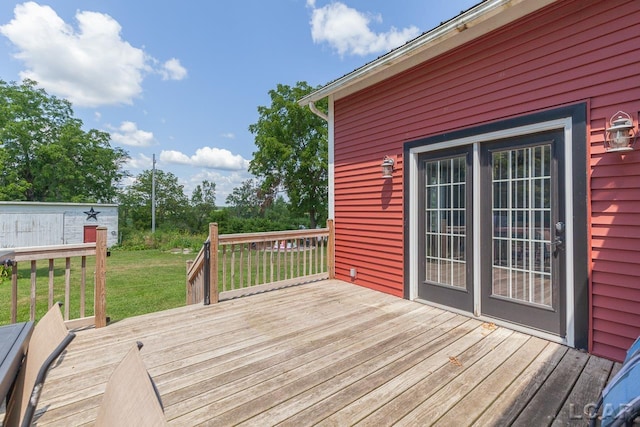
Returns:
point(92, 214)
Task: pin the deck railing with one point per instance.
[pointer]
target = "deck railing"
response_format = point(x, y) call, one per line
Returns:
point(231, 265)
point(77, 287)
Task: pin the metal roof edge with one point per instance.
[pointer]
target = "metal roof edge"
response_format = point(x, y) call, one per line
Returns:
point(469, 25)
point(70, 204)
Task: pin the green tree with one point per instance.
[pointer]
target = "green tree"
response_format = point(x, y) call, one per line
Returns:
point(46, 156)
point(246, 200)
point(292, 151)
point(203, 204)
point(171, 202)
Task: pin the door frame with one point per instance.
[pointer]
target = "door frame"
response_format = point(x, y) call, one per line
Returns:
point(572, 121)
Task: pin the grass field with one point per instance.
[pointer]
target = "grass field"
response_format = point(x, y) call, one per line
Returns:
point(138, 282)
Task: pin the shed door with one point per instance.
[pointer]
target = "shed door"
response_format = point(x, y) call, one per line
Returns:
point(90, 233)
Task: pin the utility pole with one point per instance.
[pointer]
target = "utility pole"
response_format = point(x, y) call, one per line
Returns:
point(153, 196)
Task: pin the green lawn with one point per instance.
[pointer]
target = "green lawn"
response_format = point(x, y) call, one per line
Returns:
point(138, 282)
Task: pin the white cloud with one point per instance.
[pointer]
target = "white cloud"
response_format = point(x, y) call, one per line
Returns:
point(129, 134)
point(347, 30)
point(228, 135)
point(139, 162)
point(207, 157)
point(90, 65)
point(172, 70)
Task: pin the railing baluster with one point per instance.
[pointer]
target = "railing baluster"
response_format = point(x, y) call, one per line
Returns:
point(241, 267)
point(83, 285)
point(67, 287)
point(271, 259)
point(33, 291)
point(14, 293)
point(248, 264)
point(264, 263)
point(233, 266)
point(225, 282)
point(51, 274)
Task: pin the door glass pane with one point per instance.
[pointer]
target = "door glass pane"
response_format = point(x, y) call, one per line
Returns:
point(521, 212)
point(445, 231)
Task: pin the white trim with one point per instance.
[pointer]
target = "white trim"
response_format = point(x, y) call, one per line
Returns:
point(412, 165)
point(476, 140)
point(331, 160)
point(477, 276)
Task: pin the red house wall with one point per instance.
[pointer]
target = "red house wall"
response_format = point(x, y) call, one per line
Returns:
point(574, 51)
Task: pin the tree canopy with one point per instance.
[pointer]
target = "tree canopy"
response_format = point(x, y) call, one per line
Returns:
point(292, 151)
point(171, 202)
point(46, 156)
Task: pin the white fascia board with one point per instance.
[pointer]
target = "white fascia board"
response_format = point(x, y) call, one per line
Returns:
point(476, 22)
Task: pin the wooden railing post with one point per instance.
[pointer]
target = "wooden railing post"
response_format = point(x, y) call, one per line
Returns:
point(100, 303)
point(331, 250)
point(213, 264)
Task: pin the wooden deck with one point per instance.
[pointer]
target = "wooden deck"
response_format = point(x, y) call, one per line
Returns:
point(330, 353)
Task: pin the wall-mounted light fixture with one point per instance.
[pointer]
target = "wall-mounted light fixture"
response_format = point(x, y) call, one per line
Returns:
point(621, 134)
point(387, 167)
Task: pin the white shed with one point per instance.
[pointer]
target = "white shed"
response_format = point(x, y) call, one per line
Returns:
point(24, 224)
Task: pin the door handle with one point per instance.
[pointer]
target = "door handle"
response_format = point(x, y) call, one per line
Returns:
point(558, 243)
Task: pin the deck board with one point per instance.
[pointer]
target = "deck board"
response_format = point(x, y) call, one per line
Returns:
point(328, 353)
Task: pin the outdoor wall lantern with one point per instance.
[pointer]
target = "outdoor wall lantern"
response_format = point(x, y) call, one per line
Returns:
point(387, 167)
point(621, 134)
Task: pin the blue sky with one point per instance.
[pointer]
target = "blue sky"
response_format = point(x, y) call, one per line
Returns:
point(183, 79)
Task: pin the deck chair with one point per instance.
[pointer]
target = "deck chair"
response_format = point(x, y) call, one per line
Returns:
point(131, 398)
point(620, 400)
point(49, 339)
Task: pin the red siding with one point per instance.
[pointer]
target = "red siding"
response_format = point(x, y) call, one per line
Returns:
point(574, 51)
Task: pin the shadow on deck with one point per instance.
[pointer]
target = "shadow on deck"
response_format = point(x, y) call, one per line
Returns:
point(330, 353)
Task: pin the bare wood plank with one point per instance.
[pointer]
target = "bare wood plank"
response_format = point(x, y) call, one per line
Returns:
point(289, 365)
point(404, 371)
point(449, 394)
point(270, 236)
point(242, 405)
point(517, 395)
point(585, 392)
point(177, 355)
point(90, 387)
point(326, 352)
point(233, 327)
point(359, 376)
point(56, 251)
point(549, 398)
point(409, 398)
point(489, 390)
